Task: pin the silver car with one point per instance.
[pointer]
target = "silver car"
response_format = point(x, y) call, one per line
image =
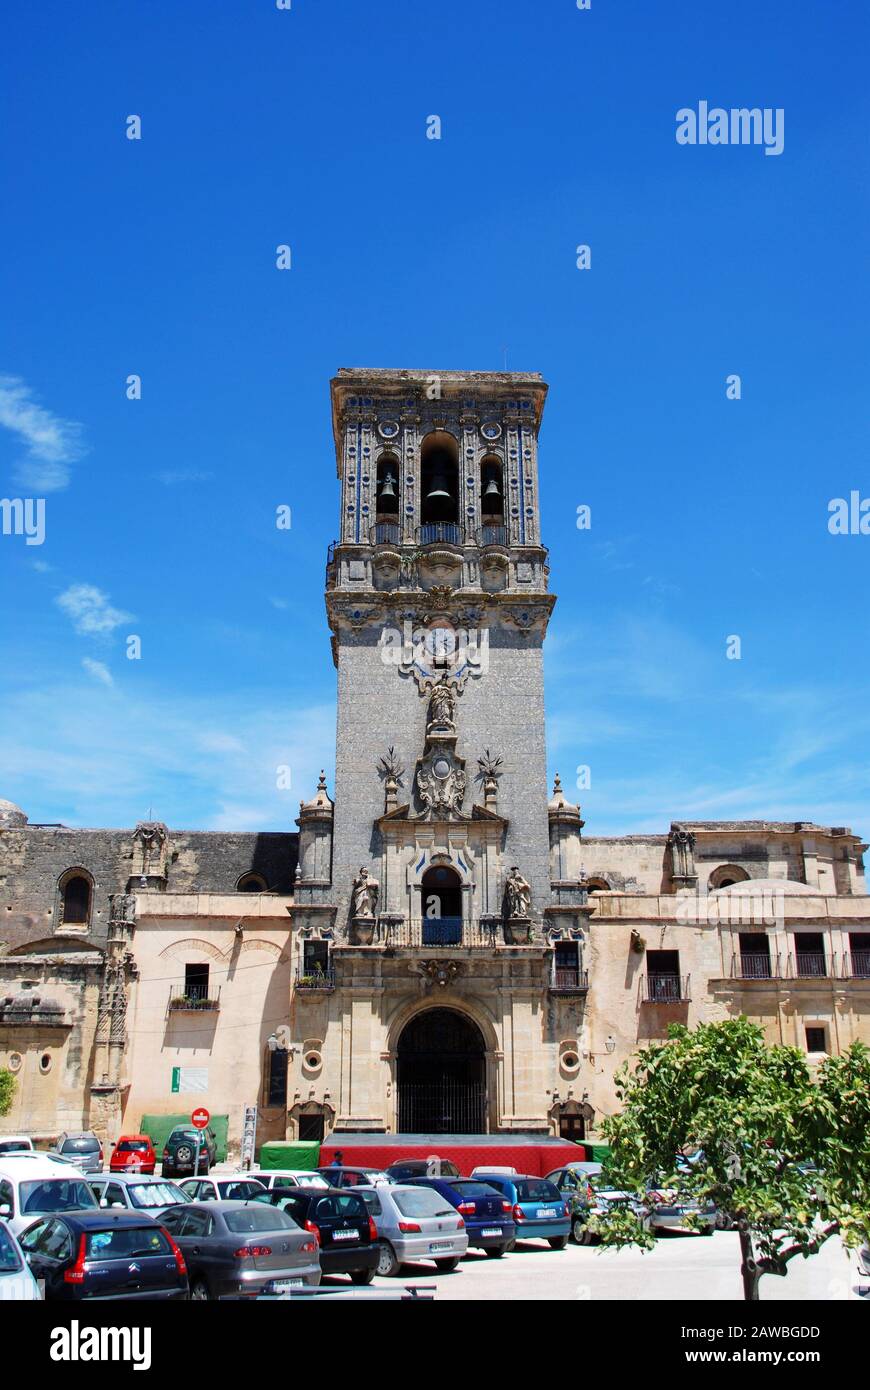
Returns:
point(82, 1148)
point(242, 1249)
point(414, 1223)
point(136, 1192)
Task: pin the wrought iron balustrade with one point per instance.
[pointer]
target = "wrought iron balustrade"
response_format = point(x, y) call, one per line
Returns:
point(755, 965)
point(193, 999)
point(856, 965)
point(665, 989)
point(315, 979)
point(809, 965)
point(568, 980)
point(443, 532)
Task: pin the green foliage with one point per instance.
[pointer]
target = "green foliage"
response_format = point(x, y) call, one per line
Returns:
point(7, 1090)
point(757, 1118)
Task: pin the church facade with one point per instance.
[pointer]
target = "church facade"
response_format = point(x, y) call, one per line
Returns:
point(438, 946)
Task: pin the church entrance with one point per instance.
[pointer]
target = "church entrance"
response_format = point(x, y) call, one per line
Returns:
point(441, 1075)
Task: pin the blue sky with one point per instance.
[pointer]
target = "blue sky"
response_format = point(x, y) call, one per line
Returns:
point(307, 127)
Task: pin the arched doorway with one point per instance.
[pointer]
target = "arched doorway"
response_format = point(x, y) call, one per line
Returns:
point(441, 1075)
point(441, 906)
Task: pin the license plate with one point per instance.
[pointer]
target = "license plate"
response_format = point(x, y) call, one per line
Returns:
point(282, 1285)
point(544, 1214)
point(491, 1231)
point(441, 1245)
point(345, 1235)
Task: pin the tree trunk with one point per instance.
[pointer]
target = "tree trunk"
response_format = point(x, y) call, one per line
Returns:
point(749, 1266)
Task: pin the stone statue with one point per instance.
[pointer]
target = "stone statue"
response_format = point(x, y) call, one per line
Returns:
point(519, 894)
point(442, 706)
point(365, 895)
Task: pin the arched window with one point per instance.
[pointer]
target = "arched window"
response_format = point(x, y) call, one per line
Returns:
point(75, 899)
point(597, 885)
point(726, 876)
point(251, 883)
point(491, 491)
point(441, 906)
point(439, 479)
point(387, 491)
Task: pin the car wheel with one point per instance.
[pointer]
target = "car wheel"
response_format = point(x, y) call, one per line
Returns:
point(362, 1276)
point(387, 1262)
point(447, 1266)
point(199, 1292)
point(495, 1252)
point(707, 1230)
point(557, 1242)
point(579, 1232)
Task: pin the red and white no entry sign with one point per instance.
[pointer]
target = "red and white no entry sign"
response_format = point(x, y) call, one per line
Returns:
point(200, 1118)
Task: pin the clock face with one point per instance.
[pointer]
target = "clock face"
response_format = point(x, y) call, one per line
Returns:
point(490, 430)
point(388, 429)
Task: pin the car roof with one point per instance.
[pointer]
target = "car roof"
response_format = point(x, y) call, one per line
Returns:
point(31, 1164)
point(284, 1172)
point(146, 1138)
point(128, 1179)
point(96, 1220)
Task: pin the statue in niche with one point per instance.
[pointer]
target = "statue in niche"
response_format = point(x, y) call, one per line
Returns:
point(442, 706)
point(365, 895)
point(519, 894)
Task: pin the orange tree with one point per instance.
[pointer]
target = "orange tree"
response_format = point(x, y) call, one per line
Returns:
point(7, 1090)
point(753, 1117)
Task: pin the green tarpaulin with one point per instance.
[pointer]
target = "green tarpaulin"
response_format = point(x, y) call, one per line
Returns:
point(158, 1127)
point(282, 1153)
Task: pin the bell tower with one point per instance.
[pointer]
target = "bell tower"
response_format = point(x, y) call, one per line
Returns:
point(437, 599)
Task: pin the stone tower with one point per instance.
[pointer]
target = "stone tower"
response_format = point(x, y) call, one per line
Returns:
point(437, 599)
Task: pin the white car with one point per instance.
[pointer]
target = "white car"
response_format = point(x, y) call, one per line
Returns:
point(37, 1184)
point(288, 1177)
point(15, 1144)
point(241, 1188)
point(484, 1168)
point(17, 1284)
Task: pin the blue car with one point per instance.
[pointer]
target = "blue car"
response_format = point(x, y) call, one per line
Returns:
point(486, 1212)
point(539, 1209)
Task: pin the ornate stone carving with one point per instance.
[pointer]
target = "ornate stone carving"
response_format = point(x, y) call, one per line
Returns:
point(442, 709)
point(519, 894)
point(439, 972)
point(365, 895)
point(392, 772)
point(150, 840)
point(441, 783)
point(490, 771)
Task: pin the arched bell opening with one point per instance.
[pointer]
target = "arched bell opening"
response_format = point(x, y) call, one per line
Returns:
point(439, 478)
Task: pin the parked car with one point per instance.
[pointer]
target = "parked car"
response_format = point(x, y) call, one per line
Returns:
point(340, 1175)
point(487, 1214)
point(136, 1192)
point(433, 1167)
point(340, 1223)
point(16, 1144)
point(864, 1261)
point(35, 1184)
point(16, 1281)
point(588, 1193)
point(180, 1152)
point(222, 1189)
point(242, 1249)
point(86, 1255)
point(83, 1147)
point(670, 1210)
point(539, 1210)
point(290, 1177)
point(485, 1168)
point(133, 1153)
point(414, 1223)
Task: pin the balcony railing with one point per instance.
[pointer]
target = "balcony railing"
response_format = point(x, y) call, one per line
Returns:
point(385, 533)
point(315, 979)
point(492, 533)
point(856, 965)
point(755, 965)
point(666, 989)
point(809, 965)
point(437, 932)
point(194, 999)
point(439, 532)
point(568, 979)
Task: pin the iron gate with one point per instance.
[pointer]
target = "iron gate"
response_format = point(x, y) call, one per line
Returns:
point(442, 1107)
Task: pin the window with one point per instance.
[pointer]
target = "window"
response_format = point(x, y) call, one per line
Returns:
point(197, 1223)
point(55, 1194)
point(439, 470)
point(572, 1127)
point(566, 965)
point(127, 1243)
point(387, 492)
point(315, 958)
point(10, 1260)
point(859, 953)
point(816, 1040)
point(311, 1128)
point(810, 954)
point(663, 976)
point(754, 956)
point(114, 1195)
point(252, 883)
point(7, 1199)
point(75, 900)
point(255, 1219)
point(196, 981)
point(277, 1085)
point(492, 493)
point(422, 1202)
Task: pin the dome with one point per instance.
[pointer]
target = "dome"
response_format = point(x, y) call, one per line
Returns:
point(11, 815)
point(558, 805)
point(789, 886)
point(320, 803)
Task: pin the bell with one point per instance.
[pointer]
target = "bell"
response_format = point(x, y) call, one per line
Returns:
point(388, 486)
point(492, 488)
point(438, 490)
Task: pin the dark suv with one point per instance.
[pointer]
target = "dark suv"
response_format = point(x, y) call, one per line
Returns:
point(179, 1152)
point(346, 1235)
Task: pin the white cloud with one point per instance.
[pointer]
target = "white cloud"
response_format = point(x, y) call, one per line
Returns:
point(52, 443)
point(90, 611)
point(98, 670)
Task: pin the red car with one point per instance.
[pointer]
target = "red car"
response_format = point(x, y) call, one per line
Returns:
point(133, 1153)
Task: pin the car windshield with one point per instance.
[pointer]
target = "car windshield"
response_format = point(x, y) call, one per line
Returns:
point(55, 1194)
point(14, 1146)
point(422, 1202)
point(537, 1190)
point(127, 1243)
point(133, 1146)
point(311, 1180)
point(10, 1260)
point(255, 1219)
point(156, 1194)
point(372, 1201)
point(472, 1188)
point(83, 1144)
